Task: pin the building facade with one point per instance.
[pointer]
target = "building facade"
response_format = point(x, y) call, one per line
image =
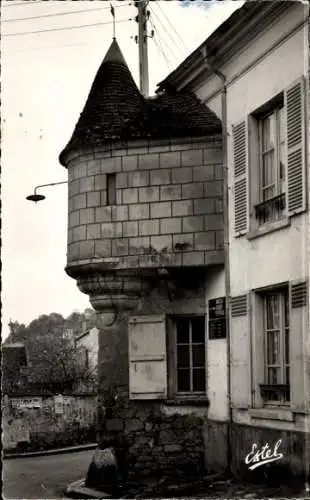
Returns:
point(262, 52)
point(147, 181)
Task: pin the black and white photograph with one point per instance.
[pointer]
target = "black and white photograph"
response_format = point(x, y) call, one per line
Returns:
point(155, 249)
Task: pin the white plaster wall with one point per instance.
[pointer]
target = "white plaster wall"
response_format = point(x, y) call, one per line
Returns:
point(216, 355)
point(281, 255)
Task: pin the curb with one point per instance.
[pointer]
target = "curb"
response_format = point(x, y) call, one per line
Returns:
point(55, 451)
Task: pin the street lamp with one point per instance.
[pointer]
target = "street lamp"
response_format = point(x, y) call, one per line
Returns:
point(38, 197)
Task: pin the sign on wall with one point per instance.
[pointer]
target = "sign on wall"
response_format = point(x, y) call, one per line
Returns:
point(217, 319)
point(26, 402)
point(59, 404)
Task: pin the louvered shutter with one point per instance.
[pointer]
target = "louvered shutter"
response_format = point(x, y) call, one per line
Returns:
point(147, 357)
point(240, 359)
point(296, 146)
point(299, 331)
point(240, 172)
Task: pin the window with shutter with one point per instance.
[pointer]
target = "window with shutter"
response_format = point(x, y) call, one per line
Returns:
point(147, 357)
point(239, 133)
point(296, 146)
point(298, 341)
point(240, 352)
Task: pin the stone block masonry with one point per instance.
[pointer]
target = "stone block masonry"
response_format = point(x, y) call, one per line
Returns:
point(163, 198)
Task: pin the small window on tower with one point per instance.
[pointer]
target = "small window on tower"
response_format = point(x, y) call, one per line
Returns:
point(111, 189)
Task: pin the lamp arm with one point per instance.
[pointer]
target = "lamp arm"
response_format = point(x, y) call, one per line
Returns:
point(51, 184)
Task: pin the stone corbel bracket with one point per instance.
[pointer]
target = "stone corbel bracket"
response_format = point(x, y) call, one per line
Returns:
point(110, 290)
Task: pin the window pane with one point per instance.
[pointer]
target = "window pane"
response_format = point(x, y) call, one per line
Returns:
point(198, 355)
point(182, 331)
point(274, 376)
point(273, 348)
point(266, 127)
point(182, 356)
point(286, 310)
point(281, 124)
point(287, 347)
point(273, 311)
point(183, 380)
point(198, 329)
point(268, 174)
point(287, 374)
point(199, 380)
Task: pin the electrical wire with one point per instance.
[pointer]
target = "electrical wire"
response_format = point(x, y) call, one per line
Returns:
point(52, 15)
point(16, 4)
point(51, 47)
point(65, 28)
point(59, 14)
point(167, 32)
point(160, 47)
point(171, 25)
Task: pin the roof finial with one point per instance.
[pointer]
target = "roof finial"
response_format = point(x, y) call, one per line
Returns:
point(113, 15)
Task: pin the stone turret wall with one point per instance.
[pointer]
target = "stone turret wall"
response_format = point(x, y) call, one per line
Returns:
point(168, 209)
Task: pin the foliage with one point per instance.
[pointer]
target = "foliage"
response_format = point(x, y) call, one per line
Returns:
point(54, 361)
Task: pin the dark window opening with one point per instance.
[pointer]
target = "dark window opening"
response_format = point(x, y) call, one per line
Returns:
point(111, 189)
point(190, 354)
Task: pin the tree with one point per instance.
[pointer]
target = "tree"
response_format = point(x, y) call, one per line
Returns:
point(54, 362)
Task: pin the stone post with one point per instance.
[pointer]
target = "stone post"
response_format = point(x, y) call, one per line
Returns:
point(114, 295)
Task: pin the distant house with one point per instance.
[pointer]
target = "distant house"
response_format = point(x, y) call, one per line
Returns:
point(88, 348)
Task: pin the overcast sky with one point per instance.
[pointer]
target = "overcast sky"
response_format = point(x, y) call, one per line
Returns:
point(45, 81)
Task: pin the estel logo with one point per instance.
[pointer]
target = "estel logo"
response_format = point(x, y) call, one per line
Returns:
point(264, 455)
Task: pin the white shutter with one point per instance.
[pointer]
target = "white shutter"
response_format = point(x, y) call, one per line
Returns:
point(240, 358)
point(240, 173)
point(147, 357)
point(299, 331)
point(294, 102)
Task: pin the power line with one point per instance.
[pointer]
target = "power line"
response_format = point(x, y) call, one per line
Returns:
point(59, 14)
point(171, 25)
point(65, 28)
point(51, 47)
point(16, 4)
point(160, 47)
point(167, 32)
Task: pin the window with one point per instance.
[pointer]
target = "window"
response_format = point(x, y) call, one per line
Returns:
point(190, 355)
point(111, 189)
point(269, 181)
point(272, 161)
point(276, 342)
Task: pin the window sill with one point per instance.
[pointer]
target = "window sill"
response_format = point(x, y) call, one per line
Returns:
point(188, 401)
point(269, 228)
point(282, 414)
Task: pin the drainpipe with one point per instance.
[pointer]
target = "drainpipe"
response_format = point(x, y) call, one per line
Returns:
point(222, 77)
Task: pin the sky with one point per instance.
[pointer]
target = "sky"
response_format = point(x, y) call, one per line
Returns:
point(46, 78)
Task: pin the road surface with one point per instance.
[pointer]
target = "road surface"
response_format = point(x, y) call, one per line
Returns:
point(43, 477)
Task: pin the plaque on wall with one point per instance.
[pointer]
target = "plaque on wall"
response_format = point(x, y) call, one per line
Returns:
point(217, 319)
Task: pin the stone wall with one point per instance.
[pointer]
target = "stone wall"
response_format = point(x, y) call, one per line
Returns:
point(40, 428)
point(155, 443)
point(153, 436)
point(168, 208)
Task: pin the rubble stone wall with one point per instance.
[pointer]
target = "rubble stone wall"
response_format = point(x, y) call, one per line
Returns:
point(34, 429)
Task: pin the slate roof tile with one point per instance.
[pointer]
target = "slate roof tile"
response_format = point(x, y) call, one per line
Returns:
point(116, 110)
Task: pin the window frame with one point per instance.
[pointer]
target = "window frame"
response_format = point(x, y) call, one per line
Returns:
point(283, 294)
point(274, 111)
point(173, 390)
point(278, 201)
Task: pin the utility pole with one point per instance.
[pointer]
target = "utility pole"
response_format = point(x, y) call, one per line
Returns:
point(142, 19)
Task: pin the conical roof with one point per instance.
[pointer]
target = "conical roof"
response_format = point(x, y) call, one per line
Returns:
point(116, 110)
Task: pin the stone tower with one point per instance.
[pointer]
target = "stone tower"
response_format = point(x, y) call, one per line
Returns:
point(145, 227)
